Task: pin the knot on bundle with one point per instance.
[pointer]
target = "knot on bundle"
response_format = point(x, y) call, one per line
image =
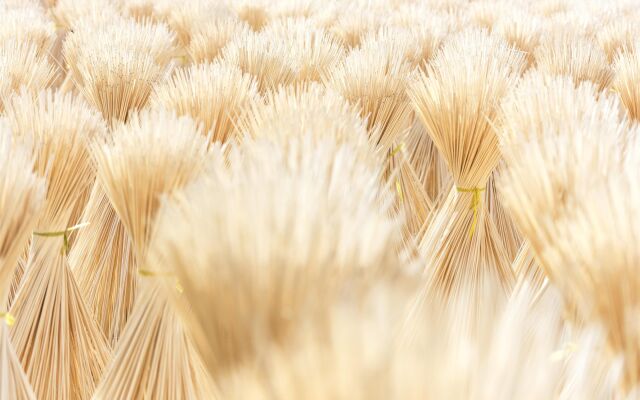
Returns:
point(65, 235)
point(475, 204)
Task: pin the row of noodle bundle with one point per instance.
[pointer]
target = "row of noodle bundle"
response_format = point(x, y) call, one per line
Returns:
point(319, 199)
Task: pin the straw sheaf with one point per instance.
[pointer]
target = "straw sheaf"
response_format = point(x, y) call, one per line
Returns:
point(355, 342)
point(116, 65)
point(104, 265)
point(574, 56)
point(60, 129)
point(274, 61)
point(55, 336)
point(211, 94)
point(601, 257)
point(22, 195)
point(155, 153)
point(15, 384)
point(457, 100)
point(69, 13)
point(625, 83)
point(457, 96)
point(278, 259)
point(208, 40)
point(375, 79)
point(312, 110)
point(155, 358)
point(22, 68)
point(27, 24)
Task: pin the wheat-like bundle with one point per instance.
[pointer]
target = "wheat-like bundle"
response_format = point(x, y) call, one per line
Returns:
point(116, 63)
point(599, 247)
point(57, 340)
point(186, 17)
point(522, 30)
point(103, 263)
point(376, 80)
point(506, 228)
point(416, 53)
point(574, 56)
point(273, 61)
point(625, 83)
point(549, 123)
point(21, 202)
point(313, 52)
point(253, 12)
point(457, 100)
point(22, 68)
point(309, 110)
point(155, 359)
point(155, 154)
point(208, 39)
point(251, 275)
point(262, 56)
point(28, 24)
point(618, 37)
point(211, 94)
point(15, 384)
point(354, 23)
point(68, 13)
point(319, 199)
point(356, 357)
point(427, 162)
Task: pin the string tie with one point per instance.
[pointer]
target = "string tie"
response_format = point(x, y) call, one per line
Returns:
point(8, 318)
point(65, 235)
point(475, 205)
point(147, 273)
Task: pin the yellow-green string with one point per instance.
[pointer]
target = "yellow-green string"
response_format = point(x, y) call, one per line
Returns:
point(396, 149)
point(564, 353)
point(399, 190)
point(475, 204)
point(147, 273)
point(65, 235)
point(8, 318)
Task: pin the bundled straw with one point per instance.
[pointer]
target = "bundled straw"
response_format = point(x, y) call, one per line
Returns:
point(20, 205)
point(104, 265)
point(376, 80)
point(314, 111)
point(69, 13)
point(310, 53)
point(597, 241)
point(627, 76)
point(551, 136)
point(427, 162)
point(253, 12)
point(212, 94)
point(521, 30)
point(15, 384)
point(57, 340)
point(115, 63)
point(155, 154)
point(618, 37)
point(27, 24)
point(355, 357)
point(281, 259)
point(457, 98)
point(21, 67)
point(573, 56)
point(208, 40)
point(185, 18)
